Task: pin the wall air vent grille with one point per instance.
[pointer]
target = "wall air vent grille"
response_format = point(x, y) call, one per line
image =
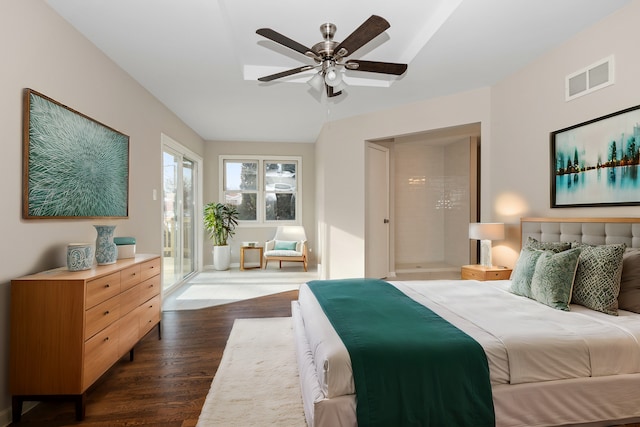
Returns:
point(589, 79)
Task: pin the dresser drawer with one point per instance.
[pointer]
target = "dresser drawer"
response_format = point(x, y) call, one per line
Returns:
point(100, 352)
point(129, 332)
point(149, 288)
point(149, 314)
point(101, 316)
point(478, 272)
point(472, 274)
point(129, 300)
point(498, 275)
point(130, 277)
point(150, 268)
point(103, 288)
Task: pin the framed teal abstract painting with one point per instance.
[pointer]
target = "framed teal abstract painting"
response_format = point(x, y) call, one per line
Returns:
point(74, 166)
point(596, 163)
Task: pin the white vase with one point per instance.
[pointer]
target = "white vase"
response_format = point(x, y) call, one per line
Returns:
point(221, 257)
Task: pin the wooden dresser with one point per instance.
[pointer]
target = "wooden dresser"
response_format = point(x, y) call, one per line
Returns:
point(69, 328)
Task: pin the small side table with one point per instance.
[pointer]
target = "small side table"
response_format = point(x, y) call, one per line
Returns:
point(260, 249)
point(480, 272)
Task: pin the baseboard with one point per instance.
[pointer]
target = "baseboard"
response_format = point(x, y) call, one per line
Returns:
point(6, 414)
point(5, 417)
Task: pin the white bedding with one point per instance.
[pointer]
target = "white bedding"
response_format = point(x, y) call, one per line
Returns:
point(536, 344)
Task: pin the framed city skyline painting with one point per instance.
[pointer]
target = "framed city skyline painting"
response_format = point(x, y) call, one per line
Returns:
point(595, 163)
point(73, 166)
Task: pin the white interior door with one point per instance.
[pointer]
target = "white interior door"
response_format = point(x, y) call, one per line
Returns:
point(377, 211)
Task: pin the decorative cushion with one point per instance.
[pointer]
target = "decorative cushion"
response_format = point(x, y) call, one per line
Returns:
point(629, 297)
point(285, 245)
point(547, 246)
point(523, 272)
point(597, 283)
point(553, 276)
point(282, 253)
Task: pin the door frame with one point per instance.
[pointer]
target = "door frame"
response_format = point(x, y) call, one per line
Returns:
point(171, 145)
point(387, 215)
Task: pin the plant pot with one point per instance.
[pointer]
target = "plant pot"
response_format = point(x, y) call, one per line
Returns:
point(221, 257)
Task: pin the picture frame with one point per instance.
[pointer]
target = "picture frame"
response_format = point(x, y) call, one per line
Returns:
point(73, 165)
point(596, 163)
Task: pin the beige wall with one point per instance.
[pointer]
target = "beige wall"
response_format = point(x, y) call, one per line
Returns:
point(211, 187)
point(529, 105)
point(41, 51)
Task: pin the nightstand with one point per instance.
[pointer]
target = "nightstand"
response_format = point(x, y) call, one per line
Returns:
point(480, 272)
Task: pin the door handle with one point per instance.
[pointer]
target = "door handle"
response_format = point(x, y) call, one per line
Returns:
point(386, 220)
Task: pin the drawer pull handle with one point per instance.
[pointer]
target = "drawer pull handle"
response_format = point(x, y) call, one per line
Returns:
point(151, 306)
point(106, 312)
point(106, 339)
point(107, 285)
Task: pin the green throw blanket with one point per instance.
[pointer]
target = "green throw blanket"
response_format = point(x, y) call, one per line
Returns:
point(410, 366)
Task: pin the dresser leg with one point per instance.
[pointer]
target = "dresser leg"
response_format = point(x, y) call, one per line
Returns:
point(131, 355)
point(160, 330)
point(80, 406)
point(16, 408)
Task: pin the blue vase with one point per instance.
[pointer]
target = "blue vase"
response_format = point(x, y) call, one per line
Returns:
point(106, 250)
point(79, 256)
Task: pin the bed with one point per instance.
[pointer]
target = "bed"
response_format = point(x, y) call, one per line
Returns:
point(578, 365)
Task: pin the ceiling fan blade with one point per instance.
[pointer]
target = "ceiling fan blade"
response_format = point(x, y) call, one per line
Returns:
point(331, 93)
point(285, 41)
point(376, 67)
point(366, 32)
point(286, 73)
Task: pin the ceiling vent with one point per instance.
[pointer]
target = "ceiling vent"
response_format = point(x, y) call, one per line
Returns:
point(589, 79)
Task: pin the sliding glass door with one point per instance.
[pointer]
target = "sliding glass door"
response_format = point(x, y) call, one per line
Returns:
point(180, 196)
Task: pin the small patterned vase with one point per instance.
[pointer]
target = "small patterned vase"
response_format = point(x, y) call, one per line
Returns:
point(106, 250)
point(79, 256)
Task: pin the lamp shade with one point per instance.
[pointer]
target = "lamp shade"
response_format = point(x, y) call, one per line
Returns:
point(317, 82)
point(486, 231)
point(332, 77)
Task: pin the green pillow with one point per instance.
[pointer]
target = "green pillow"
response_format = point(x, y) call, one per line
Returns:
point(547, 246)
point(552, 279)
point(523, 272)
point(597, 283)
point(285, 245)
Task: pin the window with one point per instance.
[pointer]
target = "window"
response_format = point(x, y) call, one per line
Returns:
point(263, 189)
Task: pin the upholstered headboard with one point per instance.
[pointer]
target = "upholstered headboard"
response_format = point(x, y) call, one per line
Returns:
point(593, 231)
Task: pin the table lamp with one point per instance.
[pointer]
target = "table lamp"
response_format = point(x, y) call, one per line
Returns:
point(486, 232)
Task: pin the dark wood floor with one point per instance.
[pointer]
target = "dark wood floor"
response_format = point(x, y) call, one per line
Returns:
point(166, 384)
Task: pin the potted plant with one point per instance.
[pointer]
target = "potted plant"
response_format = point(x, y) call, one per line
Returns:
point(220, 221)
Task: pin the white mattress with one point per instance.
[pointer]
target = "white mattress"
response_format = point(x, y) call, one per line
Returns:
point(527, 345)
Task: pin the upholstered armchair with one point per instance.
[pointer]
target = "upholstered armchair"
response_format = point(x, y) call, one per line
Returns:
point(288, 245)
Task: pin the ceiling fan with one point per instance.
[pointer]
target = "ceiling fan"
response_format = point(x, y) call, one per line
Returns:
point(329, 55)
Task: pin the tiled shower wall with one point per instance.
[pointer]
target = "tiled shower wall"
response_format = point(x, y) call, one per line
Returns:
point(432, 204)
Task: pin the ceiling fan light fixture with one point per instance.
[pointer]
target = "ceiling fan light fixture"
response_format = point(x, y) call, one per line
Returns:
point(340, 86)
point(317, 81)
point(332, 77)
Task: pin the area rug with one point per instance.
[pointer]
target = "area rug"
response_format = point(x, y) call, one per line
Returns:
point(257, 382)
point(210, 288)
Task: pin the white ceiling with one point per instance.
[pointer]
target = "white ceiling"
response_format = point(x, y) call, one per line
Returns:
point(201, 58)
